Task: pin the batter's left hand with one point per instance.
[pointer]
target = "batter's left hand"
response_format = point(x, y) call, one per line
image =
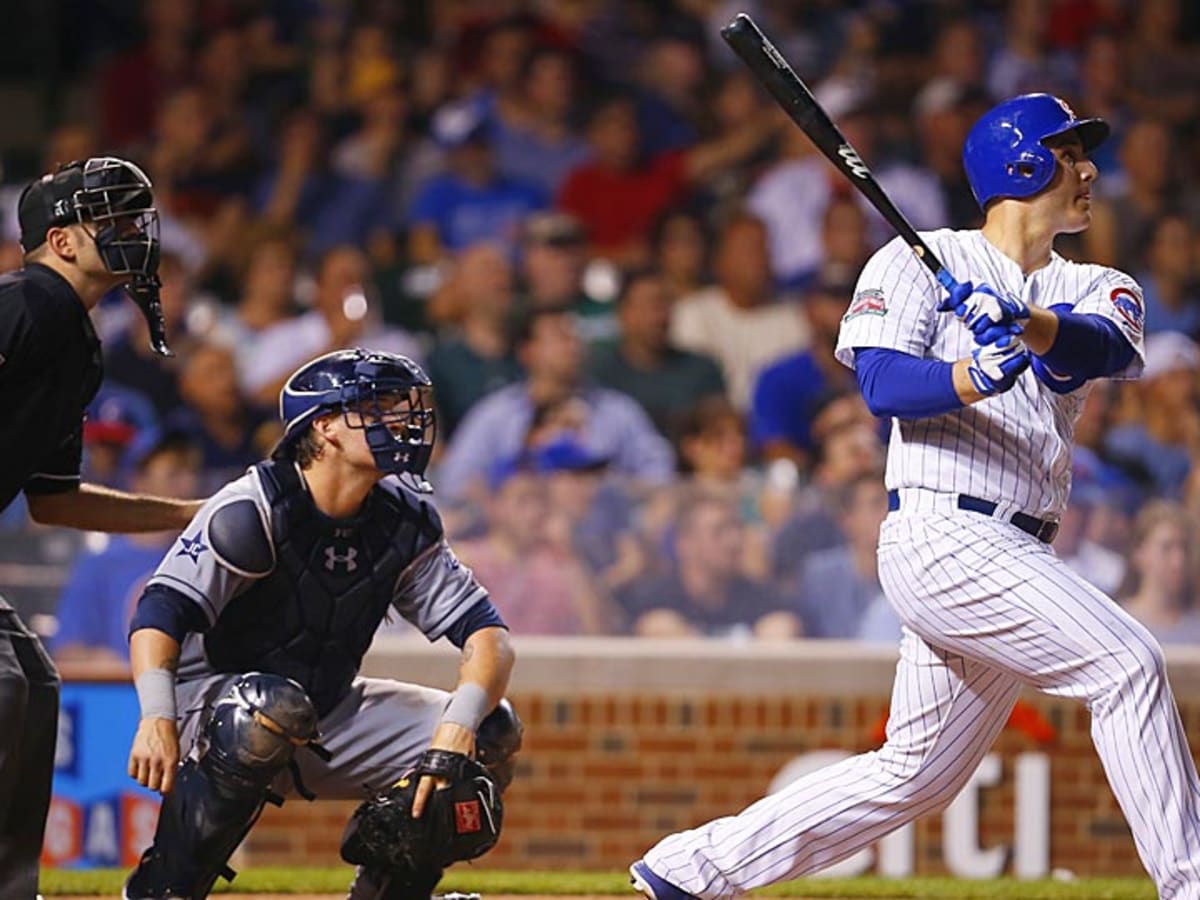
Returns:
point(982, 310)
point(448, 736)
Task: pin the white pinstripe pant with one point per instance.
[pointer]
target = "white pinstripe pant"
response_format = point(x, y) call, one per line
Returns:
point(986, 609)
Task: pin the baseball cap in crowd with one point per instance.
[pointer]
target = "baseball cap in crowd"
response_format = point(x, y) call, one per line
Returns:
point(458, 125)
point(564, 454)
point(118, 416)
point(556, 229)
point(1170, 351)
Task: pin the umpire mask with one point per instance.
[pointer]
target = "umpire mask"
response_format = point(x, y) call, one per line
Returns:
point(114, 201)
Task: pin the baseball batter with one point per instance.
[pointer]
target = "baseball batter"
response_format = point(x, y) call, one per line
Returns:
point(247, 642)
point(979, 465)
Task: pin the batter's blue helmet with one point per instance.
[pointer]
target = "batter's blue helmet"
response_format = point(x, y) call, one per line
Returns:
point(354, 382)
point(1005, 154)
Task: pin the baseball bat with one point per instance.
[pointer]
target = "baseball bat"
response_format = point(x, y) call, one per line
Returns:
point(778, 77)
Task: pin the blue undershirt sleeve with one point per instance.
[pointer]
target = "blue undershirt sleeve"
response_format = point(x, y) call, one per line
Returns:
point(898, 384)
point(166, 609)
point(481, 615)
point(1087, 346)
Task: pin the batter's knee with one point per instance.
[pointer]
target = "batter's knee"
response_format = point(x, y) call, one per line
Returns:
point(1140, 671)
point(260, 721)
point(914, 780)
point(499, 740)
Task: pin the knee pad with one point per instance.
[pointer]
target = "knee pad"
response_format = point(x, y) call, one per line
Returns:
point(250, 738)
point(498, 740)
point(257, 725)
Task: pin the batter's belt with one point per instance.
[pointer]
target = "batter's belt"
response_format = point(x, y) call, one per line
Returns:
point(1042, 529)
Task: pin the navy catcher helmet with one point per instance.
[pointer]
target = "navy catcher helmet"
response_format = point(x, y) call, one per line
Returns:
point(386, 394)
point(1005, 154)
point(114, 199)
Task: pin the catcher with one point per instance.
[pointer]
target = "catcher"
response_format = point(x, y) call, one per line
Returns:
point(247, 642)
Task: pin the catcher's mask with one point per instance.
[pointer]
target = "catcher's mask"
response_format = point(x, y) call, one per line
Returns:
point(114, 201)
point(385, 394)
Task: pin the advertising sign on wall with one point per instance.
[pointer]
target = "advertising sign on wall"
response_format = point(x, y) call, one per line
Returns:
point(98, 816)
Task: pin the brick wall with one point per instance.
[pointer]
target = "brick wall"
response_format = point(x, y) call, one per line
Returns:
point(606, 773)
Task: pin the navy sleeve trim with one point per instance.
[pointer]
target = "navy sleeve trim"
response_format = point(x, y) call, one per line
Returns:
point(898, 384)
point(168, 610)
point(482, 615)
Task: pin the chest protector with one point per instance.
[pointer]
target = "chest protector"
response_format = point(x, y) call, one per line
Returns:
point(313, 617)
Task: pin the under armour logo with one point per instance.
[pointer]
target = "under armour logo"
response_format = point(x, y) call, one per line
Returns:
point(192, 547)
point(853, 161)
point(332, 558)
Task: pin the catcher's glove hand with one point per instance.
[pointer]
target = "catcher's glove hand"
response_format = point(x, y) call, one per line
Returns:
point(461, 821)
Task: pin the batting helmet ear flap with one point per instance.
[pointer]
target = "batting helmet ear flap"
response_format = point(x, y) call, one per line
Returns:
point(1033, 167)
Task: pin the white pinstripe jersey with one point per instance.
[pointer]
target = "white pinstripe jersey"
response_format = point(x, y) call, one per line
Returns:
point(1014, 448)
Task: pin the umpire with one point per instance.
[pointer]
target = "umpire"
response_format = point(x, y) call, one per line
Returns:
point(87, 228)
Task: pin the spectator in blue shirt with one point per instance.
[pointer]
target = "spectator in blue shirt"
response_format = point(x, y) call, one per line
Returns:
point(103, 587)
point(1169, 283)
point(334, 209)
point(788, 393)
point(469, 202)
point(537, 145)
point(228, 431)
point(551, 403)
point(840, 584)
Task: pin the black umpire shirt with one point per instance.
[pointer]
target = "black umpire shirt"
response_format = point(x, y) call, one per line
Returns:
point(50, 369)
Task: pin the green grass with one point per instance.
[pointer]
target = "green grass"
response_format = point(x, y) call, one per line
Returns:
point(333, 881)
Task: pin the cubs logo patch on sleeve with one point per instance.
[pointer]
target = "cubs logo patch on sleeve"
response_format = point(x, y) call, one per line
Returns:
point(1129, 308)
point(869, 302)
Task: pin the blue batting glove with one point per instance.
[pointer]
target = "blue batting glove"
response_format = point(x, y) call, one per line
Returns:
point(995, 367)
point(979, 307)
point(993, 333)
point(959, 291)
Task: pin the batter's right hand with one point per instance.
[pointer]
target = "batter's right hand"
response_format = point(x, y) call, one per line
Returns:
point(995, 367)
point(155, 754)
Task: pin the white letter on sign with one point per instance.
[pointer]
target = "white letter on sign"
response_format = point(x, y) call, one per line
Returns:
point(960, 828)
point(1031, 850)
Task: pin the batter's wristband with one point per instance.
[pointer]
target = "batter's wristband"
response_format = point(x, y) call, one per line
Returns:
point(156, 693)
point(468, 706)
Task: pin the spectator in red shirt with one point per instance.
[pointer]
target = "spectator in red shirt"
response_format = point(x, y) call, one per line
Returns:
point(133, 85)
point(619, 195)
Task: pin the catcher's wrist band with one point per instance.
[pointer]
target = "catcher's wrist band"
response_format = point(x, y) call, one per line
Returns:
point(468, 706)
point(156, 693)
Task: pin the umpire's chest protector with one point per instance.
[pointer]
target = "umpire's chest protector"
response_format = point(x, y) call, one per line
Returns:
point(313, 618)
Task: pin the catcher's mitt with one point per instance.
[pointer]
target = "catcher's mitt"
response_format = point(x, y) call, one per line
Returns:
point(460, 821)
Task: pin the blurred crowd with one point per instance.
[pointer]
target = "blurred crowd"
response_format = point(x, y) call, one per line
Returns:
point(624, 269)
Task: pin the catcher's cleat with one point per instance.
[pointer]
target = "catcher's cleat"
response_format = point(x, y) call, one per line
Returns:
point(652, 886)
